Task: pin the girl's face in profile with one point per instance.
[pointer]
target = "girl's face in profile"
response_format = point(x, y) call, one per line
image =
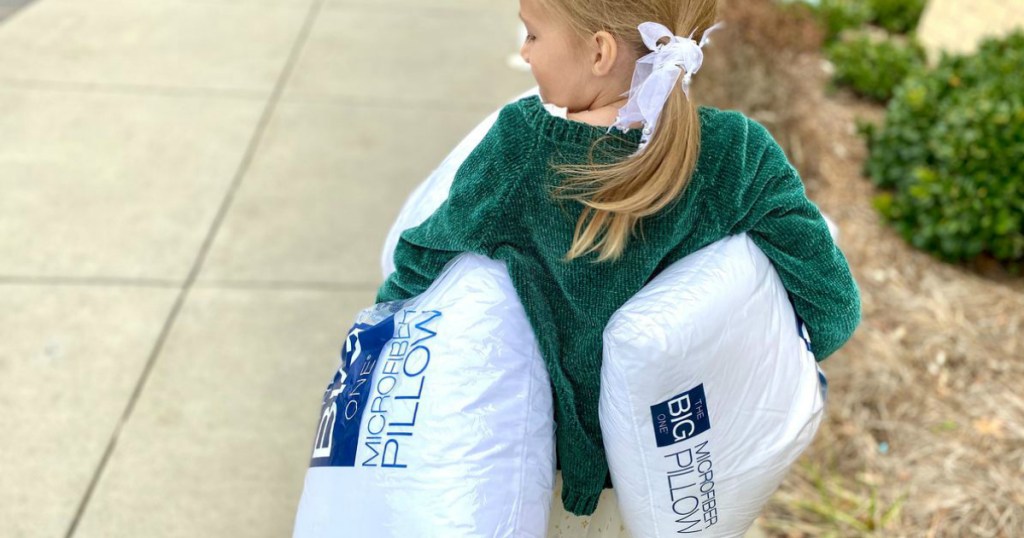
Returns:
point(552, 51)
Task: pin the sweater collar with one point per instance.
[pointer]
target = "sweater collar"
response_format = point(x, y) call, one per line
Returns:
point(566, 131)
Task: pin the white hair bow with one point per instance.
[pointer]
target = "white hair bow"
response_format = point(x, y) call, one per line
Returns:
point(656, 74)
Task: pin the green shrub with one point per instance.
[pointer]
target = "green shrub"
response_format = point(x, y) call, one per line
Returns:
point(871, 68)
point(897, 16)
point(951, 153)
point(839, 15)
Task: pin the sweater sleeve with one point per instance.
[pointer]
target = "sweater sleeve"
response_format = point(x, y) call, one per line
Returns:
point(792, 233)
point(468, 221)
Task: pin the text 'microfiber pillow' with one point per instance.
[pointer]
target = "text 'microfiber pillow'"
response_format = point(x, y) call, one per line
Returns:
point(709, 392)
point(439, 422)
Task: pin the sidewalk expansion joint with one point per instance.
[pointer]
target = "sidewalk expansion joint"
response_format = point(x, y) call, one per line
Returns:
point(261, 127)
point(119, 88)
point(94, 281)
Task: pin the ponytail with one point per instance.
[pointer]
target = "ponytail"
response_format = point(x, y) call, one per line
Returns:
point(617, 194)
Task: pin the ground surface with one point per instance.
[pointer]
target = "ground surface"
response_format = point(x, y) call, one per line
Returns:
point(925, 411)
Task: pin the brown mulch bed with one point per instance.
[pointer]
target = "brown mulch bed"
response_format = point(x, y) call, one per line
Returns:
point(925, 409)
point(924, 434)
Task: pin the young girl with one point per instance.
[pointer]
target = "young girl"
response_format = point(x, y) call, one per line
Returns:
point(583, 216)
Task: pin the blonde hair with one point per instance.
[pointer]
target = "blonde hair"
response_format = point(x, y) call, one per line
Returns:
point(617, 195)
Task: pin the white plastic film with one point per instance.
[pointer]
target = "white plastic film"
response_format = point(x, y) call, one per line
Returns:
point(709, 392)
point(439, 422)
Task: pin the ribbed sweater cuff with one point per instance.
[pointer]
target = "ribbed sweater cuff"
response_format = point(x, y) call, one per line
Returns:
point(580, 504)
point(582, 490)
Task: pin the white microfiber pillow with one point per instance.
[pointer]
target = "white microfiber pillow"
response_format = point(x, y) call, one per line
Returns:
point(439, 423)
point(708, 394)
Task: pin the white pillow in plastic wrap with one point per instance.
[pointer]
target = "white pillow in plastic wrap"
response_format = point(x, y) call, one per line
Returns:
point(439, 422)
point(709, 392)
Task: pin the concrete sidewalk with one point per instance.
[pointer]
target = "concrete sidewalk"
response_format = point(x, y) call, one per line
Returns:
point(194, 196)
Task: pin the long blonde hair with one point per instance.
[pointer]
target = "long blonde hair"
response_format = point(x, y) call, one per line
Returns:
point(617, 195)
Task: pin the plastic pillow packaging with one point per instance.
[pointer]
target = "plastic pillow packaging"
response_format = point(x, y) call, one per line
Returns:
point(439, 421)
point(709, 392)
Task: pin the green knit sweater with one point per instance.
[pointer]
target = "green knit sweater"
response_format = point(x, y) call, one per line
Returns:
point(499, 206)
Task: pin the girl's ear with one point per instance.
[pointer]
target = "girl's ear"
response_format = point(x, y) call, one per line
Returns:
point(605, 50)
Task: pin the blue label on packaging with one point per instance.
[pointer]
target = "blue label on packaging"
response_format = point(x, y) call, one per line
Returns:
point(337, 435)
point(681, 417)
